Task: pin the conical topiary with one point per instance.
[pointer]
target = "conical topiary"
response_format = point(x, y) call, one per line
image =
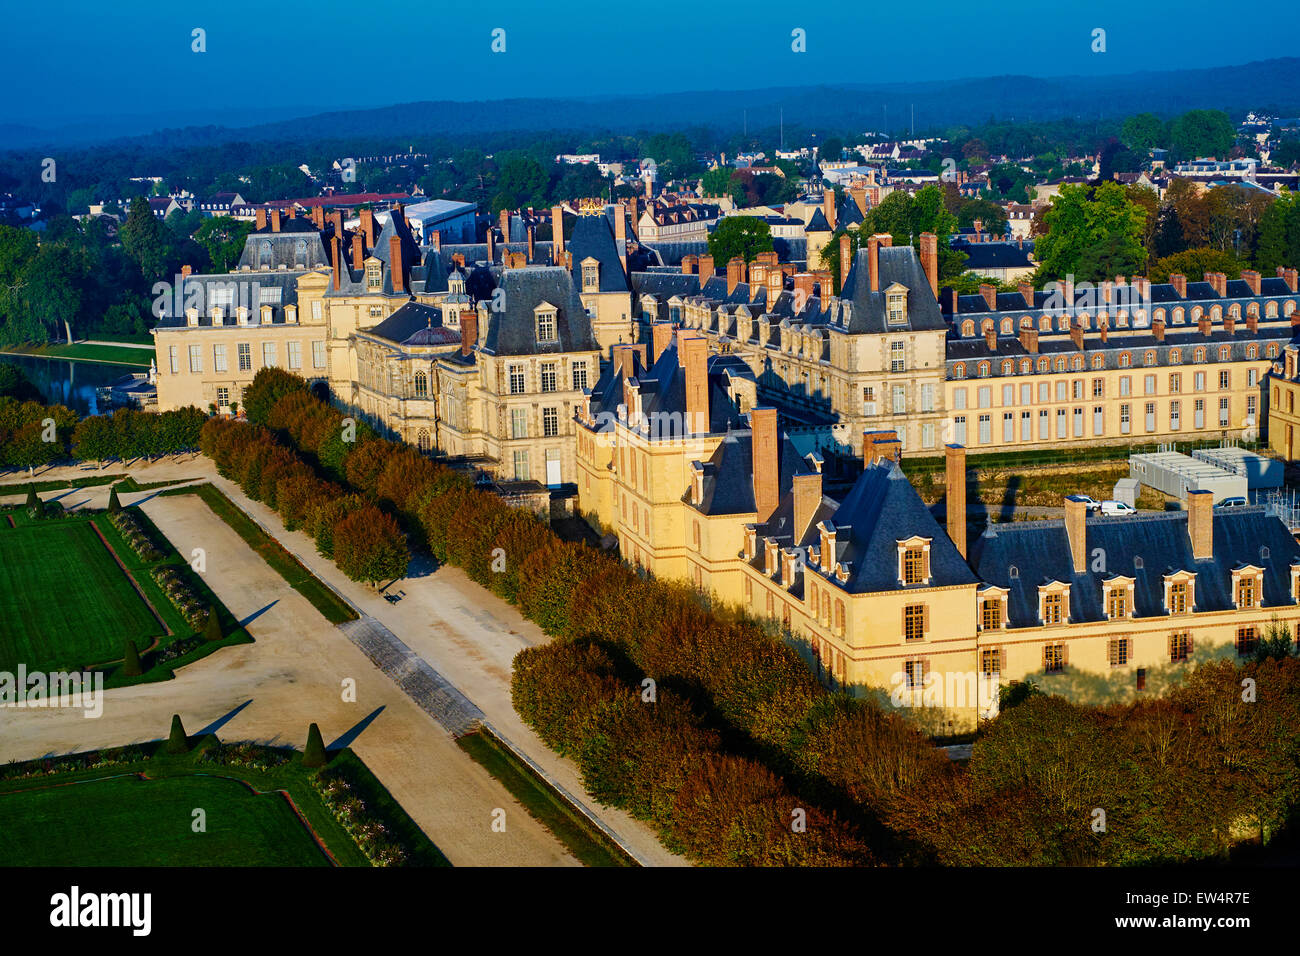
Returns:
point(314, 755)
point(177, 742)
point(212, 629)
point(35, 506)
point(131, 661)
point(32, 500)
point(114, 506)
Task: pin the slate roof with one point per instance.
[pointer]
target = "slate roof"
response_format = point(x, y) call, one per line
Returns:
point(245, 289)
point(729, 479)
point(818, 223)
point(414, 324)
point(880, 510)
point(993, 255)
point(897, 264)
point(593, 237)
point(1145, 547)
point(513, 331)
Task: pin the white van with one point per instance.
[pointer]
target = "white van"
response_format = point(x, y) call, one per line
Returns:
point(1114, 507)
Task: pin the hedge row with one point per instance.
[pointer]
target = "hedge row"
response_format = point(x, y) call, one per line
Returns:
point(127, 433)
point(365, 542)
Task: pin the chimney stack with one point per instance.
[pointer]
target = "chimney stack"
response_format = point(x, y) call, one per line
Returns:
point(881, 240)
point(436, 240)
point(1158, 329)
point(468, 331)
point(693, 354)
point(1200, 524)
point(689, 264)
point(395, 263)
point(491, 246)
point(846, 259)
point(532, 254)
point(930, 260)
point(1251, 278)
point(661, 335)
point(1029, 339)
point(1027, 291)
point(261, 219)
point(990, 293)
point(186, 270)
point(557, 234)
point(1076, 530)
point(358, 255)
point(991, 339)
point(336, 217)
point(293, 212)
point(828, 206)
point(735, 273)
point(706, 270)
point(803, 287)
point(1179, 282)
point(275, 220)
point(775, 285)
point(1203, 325)
point(807, 494)
point(368, 226)
point(955, 497)
point(337, 250)
point(505, 225)
point(859, 194)
point(318, 216)
point(766, 461)
point(620, 236)
point(1291, 276)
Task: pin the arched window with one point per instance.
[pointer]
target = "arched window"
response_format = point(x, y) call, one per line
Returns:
point(1149, 358)
point(1006, 326)
point(1289, 307)
point(984, 370)
point(1270, 310)
point(1160, 315)
point(1007, 366)
point(1225, 353)
point(1252, 351)
point(1063, 324)
point(1175, 356)
point(1026, 321)
point(1125, 360)
point(1099, 361)
point(1234, 310)
point(968, 328)
point(1216, 313)
point(421, 385)
point(1272, 350)
point(986, 326)
point(1026, 366)
point(1197, 312)
point(1198, 356)
point(1179, 316)
point(959, 370)
point(264, 256)
point(300, 253)
point(1044, 365)
point(1076, 363)
point(1253, 309)
point(1060, 364)
point(423, 442)
point(1045, 324)
point(1085, 320)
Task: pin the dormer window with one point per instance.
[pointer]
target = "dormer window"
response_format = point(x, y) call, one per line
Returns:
point(1247, 587)
point(914, 561)
point(1119, 597)
point(374, 275)
point(897, 308)
point(590, 275)
point(992, 608)
point(1179, 593)
point(1054, 603)
point(546, 324)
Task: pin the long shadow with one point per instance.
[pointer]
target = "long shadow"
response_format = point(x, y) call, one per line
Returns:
point(1009, 499)
point(422, 565)
point(352, 734)
point(258, 613)
point(221, 721)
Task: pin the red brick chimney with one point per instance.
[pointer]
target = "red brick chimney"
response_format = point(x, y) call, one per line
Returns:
point(468, 331)
point(803, 285)
point(504, 219)
point(1200, 524)
point(859, 194)
point(1076, 335)
point(991, 339)
point(358, 254)
point(775, 285)
point(368, 226)
point(395, 263)
point(930, 260)
point(275, 220)
point(318, 216)
point(293, 212)
point(1252, 323)
point(706, 270)
point(261, 219)
point(1251, 278)
point(1179, 282)
point(689, 264)
point(435, 240)
point(491, 245)
point(1027, 291)
point(735, 273)
point(661, 336)
point(990, 293)
point(620, 236)
point(1029, 339)
point(693, 354)
point(557, 234)
point(1229, 324)
point(532, 252)
point(828, 206)
point(846, 259)
point(337, 250)
point(955, 495)
point(1158, 329)
point(1291, 277)
point(766, 461)
point(1076, 531)
point(336, 217)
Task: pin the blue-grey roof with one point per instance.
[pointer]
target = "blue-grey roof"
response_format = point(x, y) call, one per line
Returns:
point(513, 330)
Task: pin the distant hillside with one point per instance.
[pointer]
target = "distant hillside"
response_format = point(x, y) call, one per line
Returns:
point(1268, 83)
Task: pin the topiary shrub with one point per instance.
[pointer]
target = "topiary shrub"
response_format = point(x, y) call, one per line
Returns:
point(177, 742)
point(131, 661)
point(114, 506)
point(314, 754)
point(212, 628)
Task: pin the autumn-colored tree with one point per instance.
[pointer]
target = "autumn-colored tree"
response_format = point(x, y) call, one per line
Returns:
point(369, 546)
point(549, 577)
point(557, 687)
point(269, 385)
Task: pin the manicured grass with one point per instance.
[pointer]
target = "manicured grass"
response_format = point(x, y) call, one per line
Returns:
point(90, 481)
point(129, 821)
point(64, 602)
point(135, 806)
point(108, 354)
point(584, 840)
point(334, 608)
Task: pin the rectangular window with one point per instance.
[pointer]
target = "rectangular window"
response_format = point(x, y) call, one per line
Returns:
point(546, 326)
point(900, 399)
point(1150, 384)
point(521, 466)
point(1180, 647)
point(550, 422)
point(196, 358)
point(548, 377)
point(1225, 380)
point(1251, 405)
point(927, 435)
point(1052, 605)
point(1098, 387)
point(1044, 392)
point(1125, 419)
point(1026, 394)
point(986, 430)
point(1078, 423)
point(1247, 639)
point(1252, 377)
point(317, 310)
point(518, 423)
point(915, 672)
point(245, 356)
point(173, 360)
point(223, 397)
point(1178, 597)
point(1198, 413)
point(1126, 385)
point(1026, 426)
point(318, 354)
point(219, 358)
point(1198, 382)
point(1223, 413)
point(985, 397)
point(1076, 389)
point(991, 661)
point(1117, 651)
point(579, 376)
point(897, 357)
point(1008, 394)
point(295, 355)
point(991, 614)
point(1175, 383)
point(1098, 421)
point(959, 430)
point(1062, 390)
point(1008, 426)
point(268, 354)
point(1245, 592)
point(959, 399)
point(516, 380)
point(1054, 658)
point(1150, 416)
point(927, 398)
point(914, 566)
point(1117, 603)
point(1175, 415)
point(1062, 423)
point(1044, 426)
point(914, 622)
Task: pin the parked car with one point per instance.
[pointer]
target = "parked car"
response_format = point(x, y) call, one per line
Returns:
point(1092, 503)
point(1236, 501)
point(1113, 507)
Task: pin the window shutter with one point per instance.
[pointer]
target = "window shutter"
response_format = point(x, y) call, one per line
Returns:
point(1065, 655)
point(902, 624)
point(1002, 660)
point(925, 619)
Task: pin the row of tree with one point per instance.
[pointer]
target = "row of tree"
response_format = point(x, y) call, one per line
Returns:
point(33, 434)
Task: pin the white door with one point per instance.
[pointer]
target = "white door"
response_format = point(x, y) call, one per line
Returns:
point(552, 469)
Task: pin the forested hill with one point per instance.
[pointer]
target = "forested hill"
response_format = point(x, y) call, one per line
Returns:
point(1266, 84)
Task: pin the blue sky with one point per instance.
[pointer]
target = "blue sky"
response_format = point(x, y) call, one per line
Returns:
point(91, 59)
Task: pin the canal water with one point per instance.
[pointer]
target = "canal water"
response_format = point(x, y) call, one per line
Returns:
point(69, 383)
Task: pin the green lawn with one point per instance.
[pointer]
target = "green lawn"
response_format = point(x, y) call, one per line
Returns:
point(128, 821)
point(110, 354)
point(64, 602)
